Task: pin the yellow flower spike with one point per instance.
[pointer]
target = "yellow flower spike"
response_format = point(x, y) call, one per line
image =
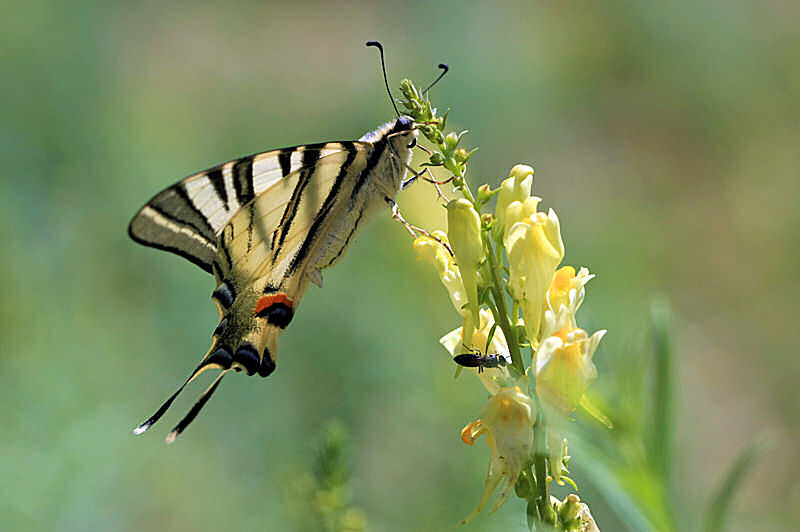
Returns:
point(507, 420)
point(492, 378)
point(464, 233)
point(564, 371)
point(516, 188)
point(433, 252)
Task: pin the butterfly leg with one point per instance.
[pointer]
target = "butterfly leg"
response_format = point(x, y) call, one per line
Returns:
point(417, 175)
point(413, 229)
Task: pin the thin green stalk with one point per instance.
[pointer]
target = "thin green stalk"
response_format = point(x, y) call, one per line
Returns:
point(498, 294)
point(540, 466)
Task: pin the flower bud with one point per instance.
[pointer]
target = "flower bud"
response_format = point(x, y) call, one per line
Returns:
point(517, 187)
point(451, 141)
point(485, 193)
point(569, 508)
point(464, 233)
point(436, 159)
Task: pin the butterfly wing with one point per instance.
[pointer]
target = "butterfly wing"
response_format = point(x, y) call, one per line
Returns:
point(187, 218)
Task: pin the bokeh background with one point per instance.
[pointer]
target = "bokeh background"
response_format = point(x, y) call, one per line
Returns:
point(665, 134)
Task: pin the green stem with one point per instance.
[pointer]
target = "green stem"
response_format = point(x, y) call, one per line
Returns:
point(498, 295)
point(467, 192)
point(540, 466)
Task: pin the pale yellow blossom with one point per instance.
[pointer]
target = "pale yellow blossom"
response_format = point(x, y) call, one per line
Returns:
point(434, 252)
point(568, 288)
point(564, 370)
point(464, 233)
point(534, 249)
point(507, 421)
point(455, 341)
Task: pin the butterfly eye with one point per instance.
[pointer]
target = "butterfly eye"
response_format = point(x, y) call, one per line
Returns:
point(413, 143)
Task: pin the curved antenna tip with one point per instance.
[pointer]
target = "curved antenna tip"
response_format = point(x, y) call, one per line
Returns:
point(379, 46)
point(445, 69)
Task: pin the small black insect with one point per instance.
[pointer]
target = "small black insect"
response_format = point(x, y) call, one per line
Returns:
point(476, 359)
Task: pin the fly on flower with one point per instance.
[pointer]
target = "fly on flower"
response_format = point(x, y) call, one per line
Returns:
point(476, 359)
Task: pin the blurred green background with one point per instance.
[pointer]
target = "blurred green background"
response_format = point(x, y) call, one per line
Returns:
point(665, 134)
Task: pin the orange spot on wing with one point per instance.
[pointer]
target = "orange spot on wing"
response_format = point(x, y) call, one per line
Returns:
point(267, 301)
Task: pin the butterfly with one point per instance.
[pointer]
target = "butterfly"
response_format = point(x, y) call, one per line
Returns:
point(265, 226)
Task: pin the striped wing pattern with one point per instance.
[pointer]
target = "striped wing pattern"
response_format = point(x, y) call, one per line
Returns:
point(264, 226)
point(186, 218)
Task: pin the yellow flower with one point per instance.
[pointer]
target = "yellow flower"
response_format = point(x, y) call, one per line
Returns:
point(454, 341)
point(517, 187)
point(432, 251)
point(534, 249)
point(564, 370)
point(507, 420)
point(567, 288)
point(464, 232)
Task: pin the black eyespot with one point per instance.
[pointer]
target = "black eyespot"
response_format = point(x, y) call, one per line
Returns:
point(221, 356)
point(247, 356)
point(267, 364)
point(224, 294)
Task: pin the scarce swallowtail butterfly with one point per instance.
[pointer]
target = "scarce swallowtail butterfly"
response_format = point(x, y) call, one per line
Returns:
point(265, 226)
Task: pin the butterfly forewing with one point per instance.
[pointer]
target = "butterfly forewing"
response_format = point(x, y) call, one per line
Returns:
point(187, 218)
point(268, 230)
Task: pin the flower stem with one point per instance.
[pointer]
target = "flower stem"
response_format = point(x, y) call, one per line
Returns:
point(499, 299)
point(540, 466)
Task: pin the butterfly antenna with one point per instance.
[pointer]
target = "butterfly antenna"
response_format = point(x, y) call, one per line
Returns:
point(445, 70)
point(195, 409)
point(379, 46)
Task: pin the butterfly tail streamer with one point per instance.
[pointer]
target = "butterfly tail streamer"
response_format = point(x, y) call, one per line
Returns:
point(149, 422)
point(201, 402)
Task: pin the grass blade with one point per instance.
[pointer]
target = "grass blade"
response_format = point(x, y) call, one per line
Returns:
point(719, 506)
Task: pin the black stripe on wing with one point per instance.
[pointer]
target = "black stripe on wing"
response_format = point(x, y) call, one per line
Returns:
point(243, 180)
point(310, 158)
point(218, 182)
point(333, 196)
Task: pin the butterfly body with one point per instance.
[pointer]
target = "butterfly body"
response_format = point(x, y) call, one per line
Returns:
point(266, 225)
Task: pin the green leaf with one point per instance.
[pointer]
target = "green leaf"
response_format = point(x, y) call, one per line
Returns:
point(570, 482)
point(661, 433)
point(489, 337)
point(593, 410)
point(719, 506)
